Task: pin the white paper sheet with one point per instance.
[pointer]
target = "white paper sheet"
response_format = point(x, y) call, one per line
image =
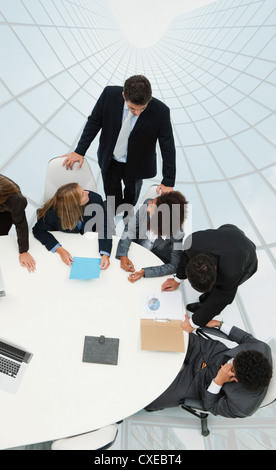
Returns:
point(161, 305)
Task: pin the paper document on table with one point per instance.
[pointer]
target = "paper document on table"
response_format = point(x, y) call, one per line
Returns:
point(85, 268)
point(161, 305)
point(161, 318)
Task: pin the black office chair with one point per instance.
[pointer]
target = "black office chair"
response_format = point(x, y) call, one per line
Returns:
point(196, 408)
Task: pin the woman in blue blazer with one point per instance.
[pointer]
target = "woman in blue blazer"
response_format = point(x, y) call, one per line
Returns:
point(73, 209)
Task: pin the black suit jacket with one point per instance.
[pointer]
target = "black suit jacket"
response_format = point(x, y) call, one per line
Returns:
point(152, 125)
point(236, 260)
point(94, 208)
point(15, 205)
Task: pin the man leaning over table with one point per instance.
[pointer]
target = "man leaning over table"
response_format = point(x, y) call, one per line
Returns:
point(131, 123)
point(215, 262)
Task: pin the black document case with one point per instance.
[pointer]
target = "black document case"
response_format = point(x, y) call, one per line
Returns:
point(101, 350)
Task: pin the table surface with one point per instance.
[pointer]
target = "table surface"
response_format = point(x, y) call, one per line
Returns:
point(49, 315)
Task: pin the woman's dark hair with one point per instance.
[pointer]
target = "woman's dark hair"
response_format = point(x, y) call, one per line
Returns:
point(252, 370)
point(201, 272)
point(170, 213)
point(7, 189)
point(137, 89)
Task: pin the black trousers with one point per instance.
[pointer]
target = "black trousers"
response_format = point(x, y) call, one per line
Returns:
point(5, 222)
point(113, 179)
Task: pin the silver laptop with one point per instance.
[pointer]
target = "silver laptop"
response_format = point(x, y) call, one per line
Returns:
point(13, 364)
point(2, 289)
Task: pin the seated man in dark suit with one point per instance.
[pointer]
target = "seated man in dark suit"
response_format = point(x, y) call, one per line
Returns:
point(228, 382)
point(157, 226)
point(216, 262)
point(131, 122)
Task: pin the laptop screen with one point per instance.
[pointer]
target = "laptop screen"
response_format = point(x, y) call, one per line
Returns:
point(14, 353)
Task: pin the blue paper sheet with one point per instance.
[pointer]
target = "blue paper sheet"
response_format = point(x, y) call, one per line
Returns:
point(85, 268)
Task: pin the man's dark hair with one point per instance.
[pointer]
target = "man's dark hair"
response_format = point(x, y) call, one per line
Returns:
point(168, 220)
point(252, 370)
point(137, 89)
point(201, 272)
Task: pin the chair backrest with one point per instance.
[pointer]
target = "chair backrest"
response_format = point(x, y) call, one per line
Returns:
point(57, 175)
point(94, 440)
point(149, 194)
point(152, 194)
point(271, 392)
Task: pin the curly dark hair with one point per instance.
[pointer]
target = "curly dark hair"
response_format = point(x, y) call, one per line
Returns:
point(171, 212)
point(137, 89)
point(201, 272)
point(252, 369)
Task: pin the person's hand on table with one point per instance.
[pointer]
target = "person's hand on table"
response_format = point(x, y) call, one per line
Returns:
point(185, 325)
point(136, 275)
point(72, 158)
point(169, 285)
point(126, 264)
point(65, 255)
point(104, 262)
point(27, 261)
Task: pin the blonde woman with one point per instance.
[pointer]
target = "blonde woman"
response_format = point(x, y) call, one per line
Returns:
point(65, 212)
point(12, 212)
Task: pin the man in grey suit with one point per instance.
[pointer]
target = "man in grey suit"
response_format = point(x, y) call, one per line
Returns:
point(229, 382)
point(157, 226)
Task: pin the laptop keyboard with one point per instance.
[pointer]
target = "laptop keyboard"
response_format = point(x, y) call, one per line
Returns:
point(8, 367)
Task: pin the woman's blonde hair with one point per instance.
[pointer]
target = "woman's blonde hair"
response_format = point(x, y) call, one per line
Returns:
point(67, 203)
point(7, 188)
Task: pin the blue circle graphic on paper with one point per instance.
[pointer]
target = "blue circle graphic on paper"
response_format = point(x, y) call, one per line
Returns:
point(153, 304)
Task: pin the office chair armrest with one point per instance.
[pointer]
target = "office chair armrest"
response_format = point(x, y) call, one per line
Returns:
point(194, 403)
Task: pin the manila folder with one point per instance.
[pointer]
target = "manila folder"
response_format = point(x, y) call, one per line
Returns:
point(162, 335)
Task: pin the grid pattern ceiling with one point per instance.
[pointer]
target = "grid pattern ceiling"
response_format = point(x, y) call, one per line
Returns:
point(214, 67)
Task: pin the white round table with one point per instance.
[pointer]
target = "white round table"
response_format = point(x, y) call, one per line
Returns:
point(49, 315)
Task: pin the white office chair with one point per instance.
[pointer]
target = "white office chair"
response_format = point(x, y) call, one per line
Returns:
point(57, 175)
point(96, 440)
point(195, 407)
point(149, 194)
point(152, 194)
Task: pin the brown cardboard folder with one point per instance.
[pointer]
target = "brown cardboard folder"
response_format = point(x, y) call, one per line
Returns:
point(162, 335)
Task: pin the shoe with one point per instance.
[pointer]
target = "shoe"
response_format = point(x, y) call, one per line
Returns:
point(193, 307)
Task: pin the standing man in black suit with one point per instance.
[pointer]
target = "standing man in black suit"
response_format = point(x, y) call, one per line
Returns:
point(131, 122)
point(215, 262)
